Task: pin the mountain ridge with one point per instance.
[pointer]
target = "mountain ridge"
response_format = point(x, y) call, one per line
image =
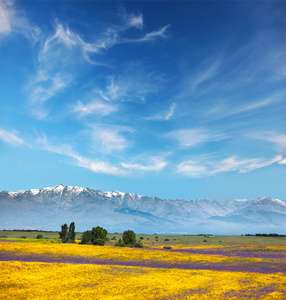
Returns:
point(49, 207)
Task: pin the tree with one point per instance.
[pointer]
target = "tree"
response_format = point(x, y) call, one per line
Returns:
point(86, 237)
point(71, 235)
point(129, 237)
point(64, 233)
point(98, 236)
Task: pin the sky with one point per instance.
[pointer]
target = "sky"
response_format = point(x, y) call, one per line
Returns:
point(174, 99)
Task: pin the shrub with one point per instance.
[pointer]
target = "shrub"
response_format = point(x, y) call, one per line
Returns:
point(205, 240)
point(166, 240)
point(138, 245)
point(39, 236)
point(129, 237)
point(23, 237)
point(167, 247)
point(99, 242)
point(86, 237)
point(141, 238)
point(120, 243)
point(113, 239)
point(156, 237)
point(98, 233)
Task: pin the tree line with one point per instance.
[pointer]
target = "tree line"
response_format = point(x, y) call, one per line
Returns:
point(98, 236)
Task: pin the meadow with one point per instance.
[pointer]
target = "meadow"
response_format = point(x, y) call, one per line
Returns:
point(196, 267)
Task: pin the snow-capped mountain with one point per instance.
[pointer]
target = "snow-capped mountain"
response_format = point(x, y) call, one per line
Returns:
point(50, 207)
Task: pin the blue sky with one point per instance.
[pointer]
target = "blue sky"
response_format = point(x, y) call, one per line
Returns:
point(169, 99)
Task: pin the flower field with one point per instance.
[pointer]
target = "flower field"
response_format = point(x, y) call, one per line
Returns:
point(34, 270)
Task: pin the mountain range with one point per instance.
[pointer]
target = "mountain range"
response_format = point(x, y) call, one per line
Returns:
point(49, 208)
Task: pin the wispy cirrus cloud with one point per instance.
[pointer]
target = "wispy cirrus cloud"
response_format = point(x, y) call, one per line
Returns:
point(204, 167)
point(15, 21)
point(279, 140)
point(164, 116)
point(94, 107)
point(66, 150)
point(133, 85)
point(108, 138)
point(155, 164)
point(10, 137)
point(6, 14)
point(64, 54)
point(194, 137)
point(222, 109)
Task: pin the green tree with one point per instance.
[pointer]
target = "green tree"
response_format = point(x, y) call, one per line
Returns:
point(86, 237)
point(64, 233)
point(71, 234)
point(98, 236)
point(129, 237)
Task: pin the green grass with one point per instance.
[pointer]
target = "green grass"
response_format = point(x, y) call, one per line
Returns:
point(173, 239)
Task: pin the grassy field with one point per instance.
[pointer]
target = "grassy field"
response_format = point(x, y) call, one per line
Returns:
point(164, 239)
point(224, 267)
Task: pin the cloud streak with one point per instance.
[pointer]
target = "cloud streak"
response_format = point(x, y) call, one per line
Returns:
point(204, 168)
point(193, 137)
point(10, 137)
point(156, 165)
point(64, 54)
point(95, 107)
point(66, 150)
point(164, 116)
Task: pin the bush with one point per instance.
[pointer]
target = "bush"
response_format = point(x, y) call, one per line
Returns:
point(86, 237)
point(129, 237)
point(138, 245)
point(96, 236)
point(39, 236)
point(23, 237)
point(141, 238)
point(113, 239)
point(166, 240)
point(99, 242)
point(120, 243)
point(98, 233)
point(167, 247)
point(156, 237)
point(205, 241)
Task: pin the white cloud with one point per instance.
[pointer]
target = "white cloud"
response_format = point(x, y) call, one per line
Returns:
point(5, 17)
point(134, 85)
point(161, 33)
point(12, 20)
point(134, 21)
point(10, 137)
point(203, 167)
point(66, 150)
point(94, 107)
point(157, 164)
point(193, 137)
point(278, 139)
point(62, 58)
point(282, 162)
point(165, 115)
point(108, 138)
point(223, 110)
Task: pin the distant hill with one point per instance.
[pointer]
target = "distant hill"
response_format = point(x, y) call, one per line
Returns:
point(50, 207)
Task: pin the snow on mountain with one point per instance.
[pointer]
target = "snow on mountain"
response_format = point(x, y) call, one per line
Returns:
point(50, 207)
